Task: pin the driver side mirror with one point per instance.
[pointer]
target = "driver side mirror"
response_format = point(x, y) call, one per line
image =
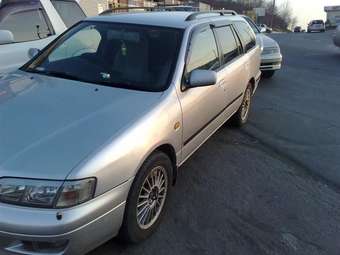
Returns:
point(202, 78)
point(32, 52)
point(6, 37)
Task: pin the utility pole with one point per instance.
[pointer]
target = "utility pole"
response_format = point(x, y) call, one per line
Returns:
point(273, 10)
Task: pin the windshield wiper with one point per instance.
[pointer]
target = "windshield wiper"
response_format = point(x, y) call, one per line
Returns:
point(55, 74)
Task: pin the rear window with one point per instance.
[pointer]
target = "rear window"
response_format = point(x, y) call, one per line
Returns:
point(317, 22)
point(247, 36)
point(252, 25)
point(69, 11)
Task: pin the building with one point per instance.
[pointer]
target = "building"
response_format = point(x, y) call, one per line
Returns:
point(333, 15)
point(94, 7)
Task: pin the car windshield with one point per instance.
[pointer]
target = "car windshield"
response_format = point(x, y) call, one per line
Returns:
point(317, 22)
point(118, 55)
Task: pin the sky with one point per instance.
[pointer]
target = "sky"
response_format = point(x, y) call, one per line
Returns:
point(307, 10)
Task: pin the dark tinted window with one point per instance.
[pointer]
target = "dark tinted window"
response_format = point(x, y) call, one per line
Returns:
point(317, 22)
point(246, 35)
point(203, 52)
point(228, 43)
point(117, 55)
point(26, 26)
point(70, 12)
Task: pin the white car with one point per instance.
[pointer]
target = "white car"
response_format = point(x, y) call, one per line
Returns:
point(316, 26)
point(336, 37)
point(271, 57)
point(26, 24)
point(265, 29)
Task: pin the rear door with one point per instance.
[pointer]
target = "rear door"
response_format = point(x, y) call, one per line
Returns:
point(232, 70)
point(251, 58)
point(31, 28)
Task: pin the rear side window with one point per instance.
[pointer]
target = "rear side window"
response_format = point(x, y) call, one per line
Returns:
point(70, 12)
point(252, 25)
point(247, 36)
point(27, 25)
point(203, 52)
point(229, 45)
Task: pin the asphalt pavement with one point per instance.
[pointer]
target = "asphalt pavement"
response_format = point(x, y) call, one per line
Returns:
point(272, 187)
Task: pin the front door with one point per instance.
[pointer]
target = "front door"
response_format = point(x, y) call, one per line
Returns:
point(201, 106)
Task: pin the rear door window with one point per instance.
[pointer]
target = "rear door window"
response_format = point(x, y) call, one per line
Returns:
point(70, 12)
point(247, 36)
point(27, 25)
point(229, 45)
point(203, 53)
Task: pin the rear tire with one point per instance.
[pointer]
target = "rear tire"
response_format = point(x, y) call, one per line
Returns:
point(240, 118)
point(268, 74)
point(147, 199)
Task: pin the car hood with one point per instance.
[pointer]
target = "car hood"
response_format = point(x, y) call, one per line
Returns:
point(265, 41)
point(49, 125)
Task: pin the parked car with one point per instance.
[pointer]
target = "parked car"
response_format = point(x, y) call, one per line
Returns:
point(265, 29)
point(271, 57)
point(29, 24)
point(336, 37)
point(297, 29)
point(316, 26)
point(94, 135)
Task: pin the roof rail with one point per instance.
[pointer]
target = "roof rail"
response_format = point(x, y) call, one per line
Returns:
point(209, 14)
point(227, 12)
point(125, 9)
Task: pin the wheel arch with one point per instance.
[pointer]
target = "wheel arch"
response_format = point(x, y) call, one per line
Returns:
point(252, 82)
point(169, 150)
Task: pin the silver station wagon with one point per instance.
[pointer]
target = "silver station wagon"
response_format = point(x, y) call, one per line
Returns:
point(95, 126)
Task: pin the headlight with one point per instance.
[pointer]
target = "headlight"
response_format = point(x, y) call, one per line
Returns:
point(47, 194)
point(271, 50)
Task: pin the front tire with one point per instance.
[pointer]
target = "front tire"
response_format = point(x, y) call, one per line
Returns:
point(240, 118)
point(268, 74)
point(147, 199)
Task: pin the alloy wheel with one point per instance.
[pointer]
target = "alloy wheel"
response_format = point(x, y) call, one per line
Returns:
point(151, 197)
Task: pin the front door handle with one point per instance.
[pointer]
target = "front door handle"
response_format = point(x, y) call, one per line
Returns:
point(221, 82)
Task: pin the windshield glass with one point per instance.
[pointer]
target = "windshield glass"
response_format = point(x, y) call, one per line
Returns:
point(111, 54)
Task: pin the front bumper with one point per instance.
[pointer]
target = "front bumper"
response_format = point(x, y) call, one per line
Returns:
point(271, 62)
point(34, 231)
